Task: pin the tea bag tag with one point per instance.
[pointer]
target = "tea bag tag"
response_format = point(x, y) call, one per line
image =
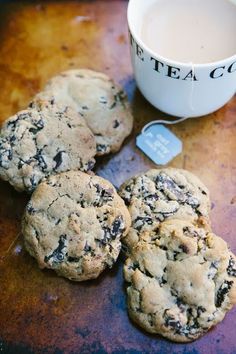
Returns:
point(158, 142)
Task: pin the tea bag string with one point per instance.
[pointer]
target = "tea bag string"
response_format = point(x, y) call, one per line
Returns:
point(176, 121)
point(163, 121)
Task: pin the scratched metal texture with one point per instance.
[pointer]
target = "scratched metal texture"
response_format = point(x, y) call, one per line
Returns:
point(40, 312)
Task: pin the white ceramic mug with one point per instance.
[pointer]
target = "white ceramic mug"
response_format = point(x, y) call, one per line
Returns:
point(176, 88)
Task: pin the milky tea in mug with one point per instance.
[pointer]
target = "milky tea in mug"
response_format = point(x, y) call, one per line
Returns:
point(184, 53)
point(197, 31)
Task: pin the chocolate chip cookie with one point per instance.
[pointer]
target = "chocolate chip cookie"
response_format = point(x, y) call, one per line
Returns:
point(161, 194)
point(101, 102)
point(44, 140)
point(182, 281)
point(73, 224)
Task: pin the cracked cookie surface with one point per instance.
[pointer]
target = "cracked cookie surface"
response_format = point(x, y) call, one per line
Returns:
point(161, 194)
point(42, 141)
point(73, 224)
point(101, 102)
point(182, 281)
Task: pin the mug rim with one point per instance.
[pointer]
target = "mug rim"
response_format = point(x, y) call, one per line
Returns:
point(165, 59)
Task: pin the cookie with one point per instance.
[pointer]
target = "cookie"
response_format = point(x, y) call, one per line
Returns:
point(73, 224)
point(42, 141)
point(182, 281)
point(161, 194)
point(101, 102)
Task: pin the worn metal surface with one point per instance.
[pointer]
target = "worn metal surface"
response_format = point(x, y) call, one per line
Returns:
point(40, 312)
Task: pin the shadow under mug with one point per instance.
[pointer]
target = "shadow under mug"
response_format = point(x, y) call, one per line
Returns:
point(178, 89)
